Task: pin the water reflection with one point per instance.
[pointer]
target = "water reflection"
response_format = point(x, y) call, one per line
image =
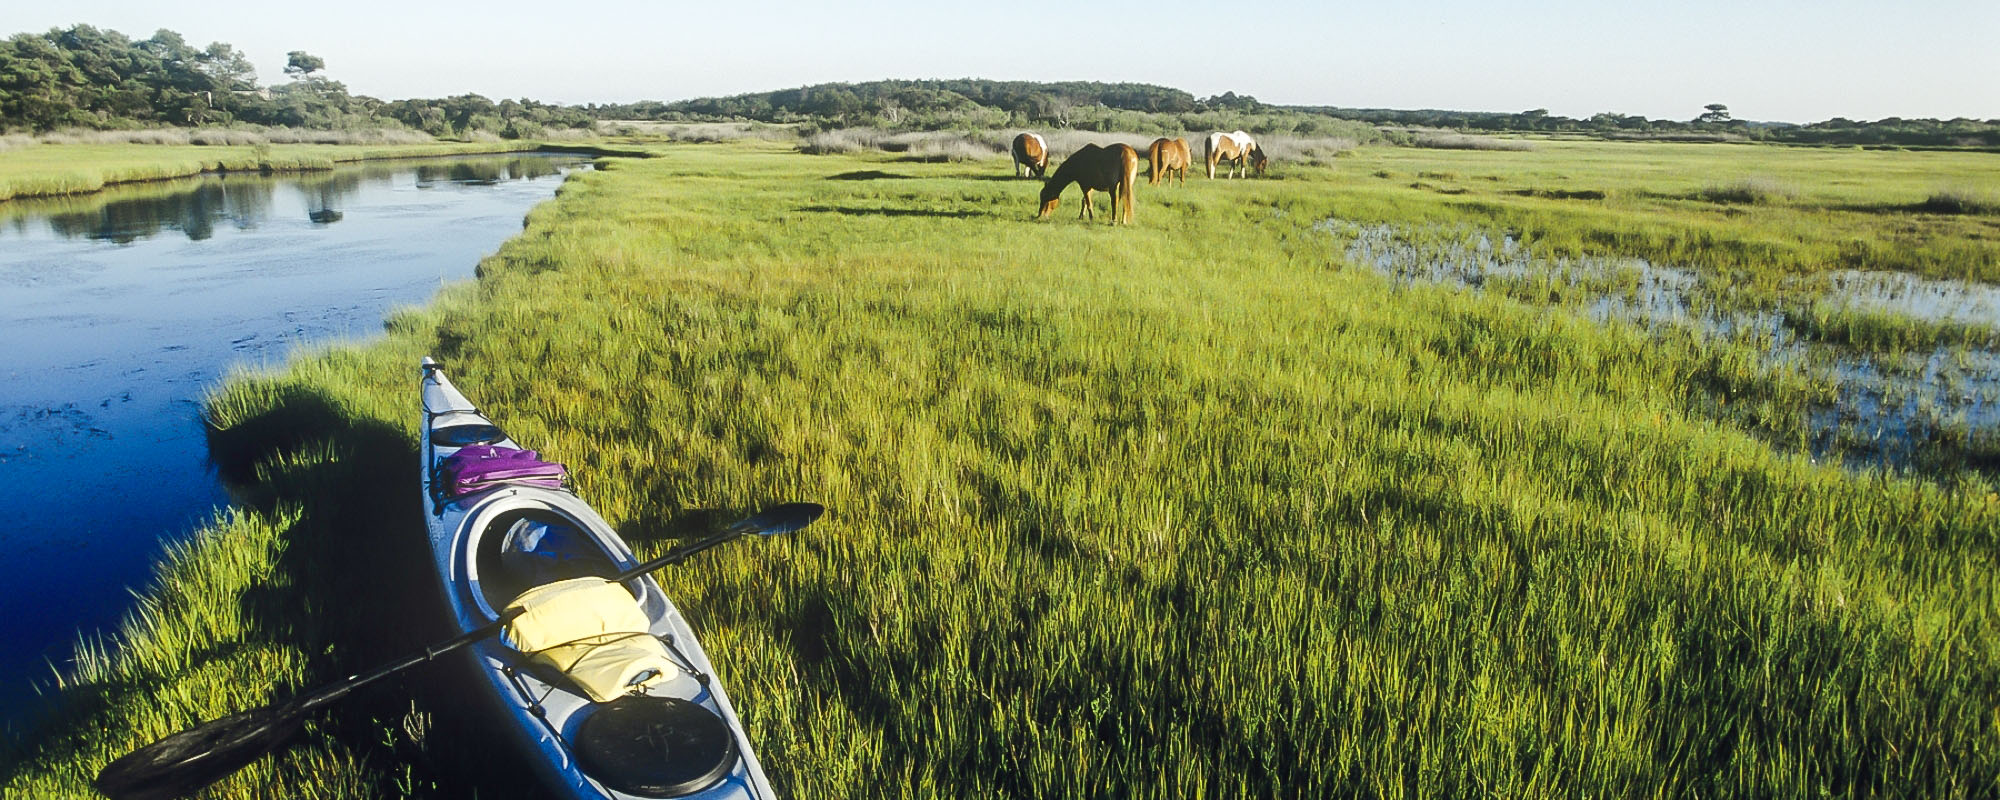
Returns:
point(194, 207)
point(484, 173)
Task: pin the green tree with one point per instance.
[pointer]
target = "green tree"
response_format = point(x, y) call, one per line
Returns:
point(226, 69)
point(301, 65)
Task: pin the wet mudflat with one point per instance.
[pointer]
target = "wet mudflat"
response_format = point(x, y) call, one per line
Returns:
point(1912, 364)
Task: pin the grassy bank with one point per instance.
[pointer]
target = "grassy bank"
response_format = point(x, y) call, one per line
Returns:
point(46, 170)
point(1190, 508)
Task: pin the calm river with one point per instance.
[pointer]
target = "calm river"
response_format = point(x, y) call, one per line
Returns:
point(120, 309)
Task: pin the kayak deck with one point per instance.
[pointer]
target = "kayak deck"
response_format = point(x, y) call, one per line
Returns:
point(492, 545)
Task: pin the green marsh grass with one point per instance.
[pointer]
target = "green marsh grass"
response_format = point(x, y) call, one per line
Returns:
point(67, 169)
point(1852, 209)
point(1185, 508)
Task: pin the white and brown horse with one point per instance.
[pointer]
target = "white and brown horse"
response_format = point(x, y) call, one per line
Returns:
point(1031, 155)
point(1170, 156)
point(1236, 148)
point(1113, 169)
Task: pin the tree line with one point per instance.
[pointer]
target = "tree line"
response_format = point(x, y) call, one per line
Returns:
point(83, 77)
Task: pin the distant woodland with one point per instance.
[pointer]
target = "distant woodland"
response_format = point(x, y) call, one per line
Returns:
point(85, 77)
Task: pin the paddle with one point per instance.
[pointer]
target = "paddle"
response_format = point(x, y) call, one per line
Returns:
point(184, 762)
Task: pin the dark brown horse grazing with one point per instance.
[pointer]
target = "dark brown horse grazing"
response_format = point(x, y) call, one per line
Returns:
point(1170, 155)
point(1114, 169)
point(1236, 148)
point(1031, 155)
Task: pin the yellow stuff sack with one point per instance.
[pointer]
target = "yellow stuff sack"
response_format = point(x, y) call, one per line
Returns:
point(593, 631)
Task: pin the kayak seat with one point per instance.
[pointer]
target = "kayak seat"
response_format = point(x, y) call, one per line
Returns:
point(531, 547)
point(592, 631)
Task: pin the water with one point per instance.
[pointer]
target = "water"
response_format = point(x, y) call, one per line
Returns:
point(1889, 407)
point(120, 309)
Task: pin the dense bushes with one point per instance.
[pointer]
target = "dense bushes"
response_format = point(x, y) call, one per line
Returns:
point(82, 77)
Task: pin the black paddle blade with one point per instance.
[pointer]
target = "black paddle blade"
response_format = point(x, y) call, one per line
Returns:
point(187, 761)
point(779, 519)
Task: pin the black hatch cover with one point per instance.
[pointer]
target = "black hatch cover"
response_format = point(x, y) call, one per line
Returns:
point(655, 746)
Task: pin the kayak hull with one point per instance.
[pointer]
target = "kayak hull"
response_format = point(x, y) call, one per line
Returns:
point(547, 717)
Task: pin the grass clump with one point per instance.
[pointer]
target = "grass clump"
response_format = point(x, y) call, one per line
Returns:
point(1884, 331)
point(935, 146)
point(699, 132)
point(1751, 191)
point(1440, 140)
point(1316, 151)
point(1960, 201)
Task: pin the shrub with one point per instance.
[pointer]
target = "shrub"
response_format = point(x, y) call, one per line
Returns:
point(217, 137)
point(1441, 140)
point(1316, 150)
point(847, 140)
point(1959, 200)
point(1753, 190)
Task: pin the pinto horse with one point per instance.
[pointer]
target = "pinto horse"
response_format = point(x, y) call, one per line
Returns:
point(1168, 155)
point(1236, 148)
point(1031, 155)
point(1114, 169)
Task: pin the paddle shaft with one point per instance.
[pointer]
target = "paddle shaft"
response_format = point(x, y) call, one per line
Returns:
point(678, 556)
point(780, 519)
point(308, 703)
point(313, 701)
point(191, 759)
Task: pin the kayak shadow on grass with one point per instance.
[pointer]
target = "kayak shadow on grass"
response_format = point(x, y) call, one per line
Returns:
point(868, 175)
point(686, 525)
point(857, 211)
point(357, 564)
point(349, 589)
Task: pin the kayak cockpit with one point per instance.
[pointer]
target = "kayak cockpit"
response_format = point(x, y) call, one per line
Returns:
point(520, 548)
point(467, 433)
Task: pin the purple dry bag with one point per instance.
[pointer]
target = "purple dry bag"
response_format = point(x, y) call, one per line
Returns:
point(476, 468)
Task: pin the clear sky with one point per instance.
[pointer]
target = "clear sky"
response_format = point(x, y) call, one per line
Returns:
point(1780, 60)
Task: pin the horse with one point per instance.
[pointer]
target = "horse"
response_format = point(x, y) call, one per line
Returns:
point(1235, 148)
point(1031, 155)
point(1114, 169)
point(1169, 155)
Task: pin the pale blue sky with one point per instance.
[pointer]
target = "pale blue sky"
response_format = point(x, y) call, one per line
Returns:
point(1792, 60)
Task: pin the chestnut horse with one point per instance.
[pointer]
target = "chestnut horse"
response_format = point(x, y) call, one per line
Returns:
point(1235, 148)
point(1113, 169)
point(1031, 155)
point(1169, 155)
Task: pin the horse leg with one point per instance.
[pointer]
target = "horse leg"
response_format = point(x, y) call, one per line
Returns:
point(1087, 212)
